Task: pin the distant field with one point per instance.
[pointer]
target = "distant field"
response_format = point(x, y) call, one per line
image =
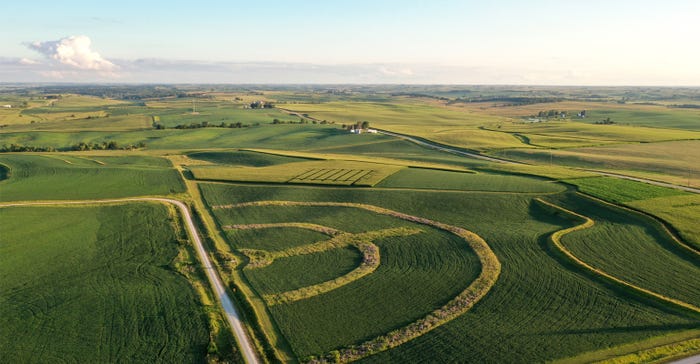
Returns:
point(560, 134)
point(659, 116)
point(329, 172)
point(424, 178)
point(63, 177)
point(544, 308)
point(95, 284)
point(675, 162)
point(620, 190)
point(416, 118)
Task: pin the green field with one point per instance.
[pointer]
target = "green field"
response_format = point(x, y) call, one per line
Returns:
point(629, 247)
point(72, 177)
point(431, 179)
point(545, 308)
point(620, 190)
point(95, 284)
point(341, 247)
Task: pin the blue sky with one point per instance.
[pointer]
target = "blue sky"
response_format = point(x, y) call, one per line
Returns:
point(499, 42)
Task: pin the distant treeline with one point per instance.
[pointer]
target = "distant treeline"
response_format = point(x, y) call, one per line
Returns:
point(301, 121)
point(512, 101)
point(686, 106)
point(206, 124)
point(111, 145)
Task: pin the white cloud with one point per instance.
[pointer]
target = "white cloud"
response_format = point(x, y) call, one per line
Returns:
point(28, 62)
point(74, 52)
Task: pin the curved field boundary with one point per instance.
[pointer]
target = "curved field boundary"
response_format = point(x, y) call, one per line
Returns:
point(660, 223)
point(588, 222)
point(465, 300)
point(228, 309)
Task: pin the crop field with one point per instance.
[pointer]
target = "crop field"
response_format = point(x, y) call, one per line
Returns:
point(566, 312)
point(431, 179)
point(61, 177)
point(95, 284)
point(630, 248)
point(620, 190)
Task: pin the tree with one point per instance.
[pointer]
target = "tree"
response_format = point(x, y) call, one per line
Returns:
point(364, 125)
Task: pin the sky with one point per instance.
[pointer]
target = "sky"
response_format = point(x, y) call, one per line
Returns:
point(538, 42)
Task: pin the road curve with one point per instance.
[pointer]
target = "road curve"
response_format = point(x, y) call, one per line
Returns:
point(444, 148)
point(695, 359)
point(232, 315)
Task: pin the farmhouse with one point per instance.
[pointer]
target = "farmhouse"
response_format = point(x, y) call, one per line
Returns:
point(7, 106)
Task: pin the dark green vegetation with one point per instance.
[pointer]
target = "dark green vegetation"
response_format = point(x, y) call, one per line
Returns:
point(544, 307)
point(244, 158)
point(95, 284)
point(73, 177)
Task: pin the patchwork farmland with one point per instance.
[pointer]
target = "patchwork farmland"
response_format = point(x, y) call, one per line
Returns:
point(327, 246)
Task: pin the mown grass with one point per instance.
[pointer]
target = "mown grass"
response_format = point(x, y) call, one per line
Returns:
point(60, 177)
point(95, 284)
point(425, 178)
point(331, 172)
point(627, 246)
point(621, 190)
point(544, 308)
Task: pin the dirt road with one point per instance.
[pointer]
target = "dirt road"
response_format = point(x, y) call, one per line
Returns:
point(232, 316)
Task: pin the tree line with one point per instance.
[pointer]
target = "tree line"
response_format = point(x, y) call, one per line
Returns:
point(82, 146)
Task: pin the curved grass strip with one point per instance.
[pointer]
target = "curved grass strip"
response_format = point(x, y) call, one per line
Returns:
point(490, 270)
point(660, 223)
point(363, 241)
point(370, 262)
point(301, 225)
point(587, 223)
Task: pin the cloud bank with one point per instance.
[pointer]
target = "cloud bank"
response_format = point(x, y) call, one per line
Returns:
point(72, 59)
point(73, 52)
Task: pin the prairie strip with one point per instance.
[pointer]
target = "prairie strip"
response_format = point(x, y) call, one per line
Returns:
point(587, 223)
point(302, 225)
point(490, 271)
